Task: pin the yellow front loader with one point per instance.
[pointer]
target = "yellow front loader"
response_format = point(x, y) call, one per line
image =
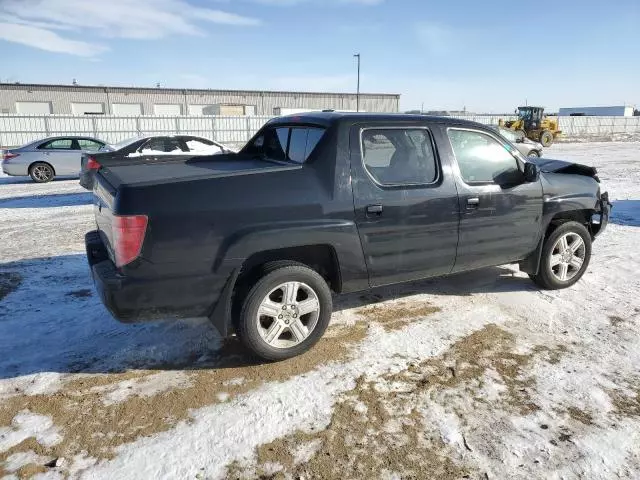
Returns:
point(534, 124)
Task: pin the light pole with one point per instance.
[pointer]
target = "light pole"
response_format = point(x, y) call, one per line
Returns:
point(358, 89)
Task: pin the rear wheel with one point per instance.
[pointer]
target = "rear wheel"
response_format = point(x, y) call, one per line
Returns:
point(285, 313)
point(565, 256)
point(546, 138)
point(41, 172)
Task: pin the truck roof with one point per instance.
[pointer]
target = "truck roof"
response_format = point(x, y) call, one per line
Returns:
point(327, 118)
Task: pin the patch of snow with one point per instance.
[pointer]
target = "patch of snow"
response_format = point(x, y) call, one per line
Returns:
point(305, 451)
point(50, 475)
point(222, 396)
point(20, 459)
point(26, 424)
point(234, 382)
point(277, 409)
point(143, 387)
point(36, 384)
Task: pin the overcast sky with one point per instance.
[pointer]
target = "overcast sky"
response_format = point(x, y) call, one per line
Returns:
point(487, 56)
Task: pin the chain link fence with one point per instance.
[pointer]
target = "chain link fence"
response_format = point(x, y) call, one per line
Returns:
point(17, 130)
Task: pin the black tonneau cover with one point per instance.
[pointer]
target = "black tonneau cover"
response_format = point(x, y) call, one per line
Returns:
point(172, 170)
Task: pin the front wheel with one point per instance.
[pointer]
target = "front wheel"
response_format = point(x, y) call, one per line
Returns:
point(41, 172)
point(565, 256)
point(533, 153)
point(546, 138)
point(285, 313)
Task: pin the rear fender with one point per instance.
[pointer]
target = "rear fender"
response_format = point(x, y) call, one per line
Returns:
point(341, 235)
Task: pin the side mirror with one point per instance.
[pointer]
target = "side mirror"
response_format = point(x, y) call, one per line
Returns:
point(520, 140)
point(531, 172)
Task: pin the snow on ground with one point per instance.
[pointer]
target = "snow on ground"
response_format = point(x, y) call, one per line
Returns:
point(479, 374)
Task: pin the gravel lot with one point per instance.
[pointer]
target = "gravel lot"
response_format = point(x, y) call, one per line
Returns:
point(474, 376)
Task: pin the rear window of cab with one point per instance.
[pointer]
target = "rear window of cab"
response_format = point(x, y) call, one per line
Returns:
point(286, 143)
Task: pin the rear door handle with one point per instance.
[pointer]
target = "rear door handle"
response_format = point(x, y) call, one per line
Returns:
point(473, 202)
point(374, 210)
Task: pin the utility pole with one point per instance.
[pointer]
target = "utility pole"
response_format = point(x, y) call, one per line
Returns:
point(358, 89)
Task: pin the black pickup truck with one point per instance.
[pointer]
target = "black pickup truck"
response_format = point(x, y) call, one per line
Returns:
point(332, 202)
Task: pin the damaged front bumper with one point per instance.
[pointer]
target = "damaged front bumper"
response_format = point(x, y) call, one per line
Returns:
point(600, 217)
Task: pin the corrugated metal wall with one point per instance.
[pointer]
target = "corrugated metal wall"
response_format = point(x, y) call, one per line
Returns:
point(62, 97)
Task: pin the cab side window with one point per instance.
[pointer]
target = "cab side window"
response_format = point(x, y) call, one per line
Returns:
point(481, 158)
point(399, 156)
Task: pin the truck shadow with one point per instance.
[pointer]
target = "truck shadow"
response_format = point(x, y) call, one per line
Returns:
point(48, 201)
point(52, 321)
point(626, 212)
point(487, 280)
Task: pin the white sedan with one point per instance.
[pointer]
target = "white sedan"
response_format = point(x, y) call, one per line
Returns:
point(45, 159)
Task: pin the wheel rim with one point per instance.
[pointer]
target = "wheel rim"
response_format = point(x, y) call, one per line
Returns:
point(288, 314)
point(533, 153)
point(42, 172)
point(567, 256)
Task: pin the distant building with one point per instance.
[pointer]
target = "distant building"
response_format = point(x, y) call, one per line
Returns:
point(616, 111)
point(39, 99)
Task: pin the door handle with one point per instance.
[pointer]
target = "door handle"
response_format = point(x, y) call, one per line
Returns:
point(472, 203)
point(374, 210)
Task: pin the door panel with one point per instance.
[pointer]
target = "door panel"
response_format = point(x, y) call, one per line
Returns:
point(499, 223)
point(64, 155)
point(408, 231)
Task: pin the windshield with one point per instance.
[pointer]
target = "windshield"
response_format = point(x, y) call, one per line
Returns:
point(508, 134)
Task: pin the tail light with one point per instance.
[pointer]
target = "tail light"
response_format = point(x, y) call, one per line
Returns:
point(128, 236)
point(92, 163)
point(9, 155)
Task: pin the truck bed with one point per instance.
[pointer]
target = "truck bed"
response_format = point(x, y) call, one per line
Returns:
point(179, 169)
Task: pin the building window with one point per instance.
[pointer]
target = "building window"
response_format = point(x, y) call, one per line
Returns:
point(84, 108)
point(126, 109)
point(167, 109)
point(33, 108)
point(195, 110)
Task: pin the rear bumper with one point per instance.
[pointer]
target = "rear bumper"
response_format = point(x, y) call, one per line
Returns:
point(15, 169)
point(132, 300)
point(600, 219)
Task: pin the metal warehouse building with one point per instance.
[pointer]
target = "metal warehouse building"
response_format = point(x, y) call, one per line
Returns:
point(37, 99)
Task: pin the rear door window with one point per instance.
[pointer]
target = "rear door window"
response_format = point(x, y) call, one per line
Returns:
point(89, 145)
point(399, 156)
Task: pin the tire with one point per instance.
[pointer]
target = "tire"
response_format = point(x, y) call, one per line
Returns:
point(533, 153)
point(292, 334)
point(550, 276)
point(41, 172)
point(546, 138)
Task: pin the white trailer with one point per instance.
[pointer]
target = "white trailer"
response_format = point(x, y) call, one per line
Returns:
point(614, 111)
